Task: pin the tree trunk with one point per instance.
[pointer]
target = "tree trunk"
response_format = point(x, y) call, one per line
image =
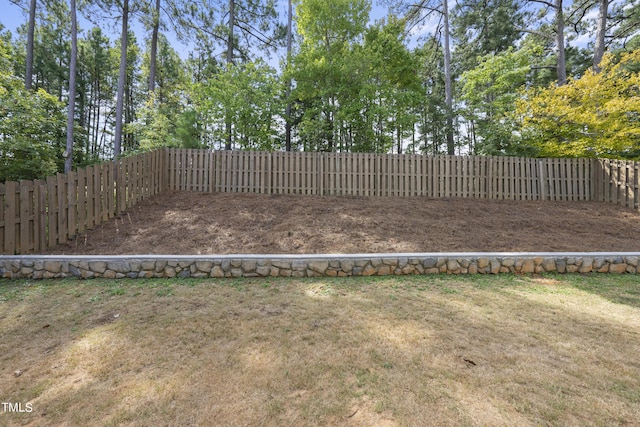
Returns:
point(287, 118)
point(562, 63)
point(232, 24)
point(68, 154)
point(154, 47)
point(28, 77)
point(598, 50)
point(447, 79)
point(121, 80)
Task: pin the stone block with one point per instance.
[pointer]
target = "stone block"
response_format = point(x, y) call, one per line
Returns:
point(147, 265)
point(361, 262)
point(508, 262)
point(284, 272)
point(161, 264)
point(346, 265)
point(249, 265)
point(384, 270)
point(50, 266)
point(409, 269)
point(217, 272)
point(369, 270)
point(618, 268)
point(98, 266)
point(453, 266)
point(561, 265)
point(109, 274)
point(572, 268)
point(134, 265)
point(587, 265)
point(263, 270)
point(204, 266)
point(318, 266)
point(549, 264)
point(75, 271)
point(281, 264)
point(494, 266)
point(528, 266)
point(299, 265)
point(429, 262)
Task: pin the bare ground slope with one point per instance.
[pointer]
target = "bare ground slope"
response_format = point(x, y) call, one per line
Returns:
point(202, 223)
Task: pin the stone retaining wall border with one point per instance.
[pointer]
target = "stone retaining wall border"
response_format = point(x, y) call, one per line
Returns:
point(331, 265)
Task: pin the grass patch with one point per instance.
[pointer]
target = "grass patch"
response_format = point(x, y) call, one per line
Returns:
point(410, 350)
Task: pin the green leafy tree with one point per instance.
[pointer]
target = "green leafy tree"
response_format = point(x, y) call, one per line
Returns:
point(32, 127)
point(247, 93)
point(490, 92)
point(98, 70)
point(323, 69)
point(484, 27)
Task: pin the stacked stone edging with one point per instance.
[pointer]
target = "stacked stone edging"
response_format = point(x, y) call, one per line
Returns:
point(332, 265)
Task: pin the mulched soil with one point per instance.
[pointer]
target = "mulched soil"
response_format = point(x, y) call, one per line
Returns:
point(186, 223)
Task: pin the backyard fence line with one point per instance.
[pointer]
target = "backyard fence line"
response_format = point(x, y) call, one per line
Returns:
point(37, 215)
point(367, 174)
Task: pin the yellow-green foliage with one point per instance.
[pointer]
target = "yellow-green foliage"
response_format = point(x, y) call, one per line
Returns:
point(597, 115)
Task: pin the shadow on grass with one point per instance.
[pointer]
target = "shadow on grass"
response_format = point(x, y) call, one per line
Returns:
point(410, 350)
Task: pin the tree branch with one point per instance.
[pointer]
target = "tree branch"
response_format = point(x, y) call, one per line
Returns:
point(536, 33)
point(545, 3)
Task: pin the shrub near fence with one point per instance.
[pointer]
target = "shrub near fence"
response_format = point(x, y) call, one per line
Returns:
point(37, 215)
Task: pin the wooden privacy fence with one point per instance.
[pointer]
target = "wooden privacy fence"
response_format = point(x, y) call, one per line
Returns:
point(36, 215)
point(40, 214)
point(367, 174)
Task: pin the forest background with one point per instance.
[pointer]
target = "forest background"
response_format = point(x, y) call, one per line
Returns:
point(486, 77)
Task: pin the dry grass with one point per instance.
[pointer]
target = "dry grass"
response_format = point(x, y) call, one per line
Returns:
point(509, 350)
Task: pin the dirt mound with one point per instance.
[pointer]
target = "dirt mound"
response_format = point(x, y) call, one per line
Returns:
point(224, 223)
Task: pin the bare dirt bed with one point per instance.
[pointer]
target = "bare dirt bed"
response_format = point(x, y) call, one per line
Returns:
point(202, 223)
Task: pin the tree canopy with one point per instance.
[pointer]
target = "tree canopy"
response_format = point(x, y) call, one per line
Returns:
point(470, 77)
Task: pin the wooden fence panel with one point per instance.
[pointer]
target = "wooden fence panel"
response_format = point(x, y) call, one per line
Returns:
point(25, 213)
point(10, 220)
point(3, 205)
point(72, 198)
point(82, 200)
